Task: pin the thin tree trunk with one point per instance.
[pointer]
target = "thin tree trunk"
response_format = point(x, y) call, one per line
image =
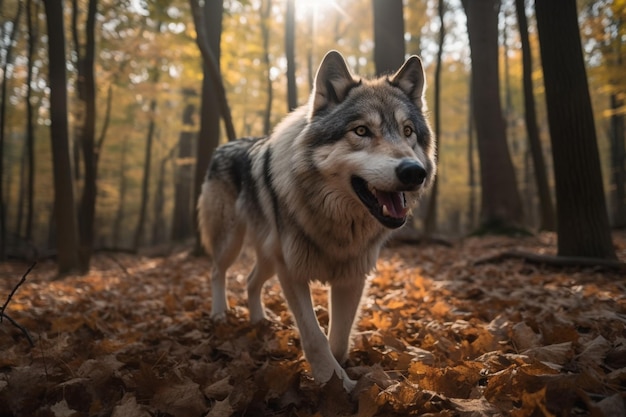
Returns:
point(123, 186)
point(430, 221)
point(158, 220)
point(64, 208)
point(266, 8)
point(618, 163)
point(105, 124)
point(618, 143)
point(33, 35)
point(471, 174)
point(145, 184)
point(547, 220)
point(21, 189)
point(3, 110)
point(290, 40)
point(79, 111)
point(583, 224)
point(87, 88)
point(183, 211)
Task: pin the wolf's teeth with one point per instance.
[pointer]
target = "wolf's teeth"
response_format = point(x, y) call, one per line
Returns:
point(386, 211)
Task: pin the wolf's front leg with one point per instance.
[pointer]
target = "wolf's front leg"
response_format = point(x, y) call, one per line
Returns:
point(344, 303)
point(316, 348)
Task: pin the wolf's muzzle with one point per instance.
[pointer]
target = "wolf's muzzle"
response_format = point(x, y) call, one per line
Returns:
point(410, 173)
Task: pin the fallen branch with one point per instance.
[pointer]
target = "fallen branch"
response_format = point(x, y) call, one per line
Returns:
point(554, 260)
point(6, 303)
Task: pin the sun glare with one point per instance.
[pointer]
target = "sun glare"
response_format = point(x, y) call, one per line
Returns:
point(315, 8)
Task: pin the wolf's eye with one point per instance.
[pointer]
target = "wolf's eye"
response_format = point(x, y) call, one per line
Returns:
point(362, 131)
point(408, 131)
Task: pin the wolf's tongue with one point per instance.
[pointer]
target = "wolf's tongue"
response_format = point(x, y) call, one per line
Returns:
point(393, 202)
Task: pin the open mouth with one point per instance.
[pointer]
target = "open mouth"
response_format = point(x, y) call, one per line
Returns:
point(389, 207)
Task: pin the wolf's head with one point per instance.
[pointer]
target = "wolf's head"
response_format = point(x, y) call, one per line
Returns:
point(371, 138)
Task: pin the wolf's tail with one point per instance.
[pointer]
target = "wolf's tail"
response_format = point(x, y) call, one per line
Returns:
point(204, 214)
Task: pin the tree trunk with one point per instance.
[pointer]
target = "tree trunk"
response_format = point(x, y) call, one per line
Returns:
point(64, 208)
point(208, 136)
point(547, 217)
point(388, 35)
point(583, 224)
point(158, 220)
point(210, 58)
point(430, 221)
point(501, 206)
point(3, 110)
point(87, 95)
point(123, 186)
point(145, 184)
point(266, 8)
point(471, 174)
point(33, 35)
point(618, 162)
point(290, 40)
point(183, 208)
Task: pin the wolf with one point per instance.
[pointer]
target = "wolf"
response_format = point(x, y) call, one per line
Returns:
point(318, 197)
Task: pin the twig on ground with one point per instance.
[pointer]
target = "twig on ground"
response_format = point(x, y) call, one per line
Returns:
point(6, 303)
point(20, 327)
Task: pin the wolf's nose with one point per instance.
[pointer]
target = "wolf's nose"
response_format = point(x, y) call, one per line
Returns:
point(410, 173)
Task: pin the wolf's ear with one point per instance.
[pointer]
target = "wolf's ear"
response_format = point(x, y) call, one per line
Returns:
point(410, 78)
point(332, 82)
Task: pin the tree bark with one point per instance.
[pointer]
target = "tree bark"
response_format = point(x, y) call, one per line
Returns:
point(123, 187)
point(290, 40)
point(145, 183)
point(547, 216)
point(430, 221)
point(388, 35)
point(618, 162)
point(501, 206)
point(471, 170)
point(210, 58)
point(87, 95)
point(3, 110)
point(208, 136)
point(583, 224)
point(33, 35)
point(183, 211)
point(64, 208)
point(266, 8)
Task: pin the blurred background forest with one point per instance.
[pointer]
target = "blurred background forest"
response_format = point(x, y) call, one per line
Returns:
point(134, 91)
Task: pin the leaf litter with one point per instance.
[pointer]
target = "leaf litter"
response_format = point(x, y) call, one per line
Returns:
point(438, 335)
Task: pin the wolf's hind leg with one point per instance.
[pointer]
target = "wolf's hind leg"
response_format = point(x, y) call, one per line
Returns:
point(263, 270)
point(344, 303)
point(225, 252)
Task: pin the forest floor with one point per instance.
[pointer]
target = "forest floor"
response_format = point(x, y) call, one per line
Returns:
point(439, 334)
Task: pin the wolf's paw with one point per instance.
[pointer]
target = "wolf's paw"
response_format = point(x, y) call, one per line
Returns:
point(348, 384)
point(257, 317)
point(218, 317)
point(343, 378)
